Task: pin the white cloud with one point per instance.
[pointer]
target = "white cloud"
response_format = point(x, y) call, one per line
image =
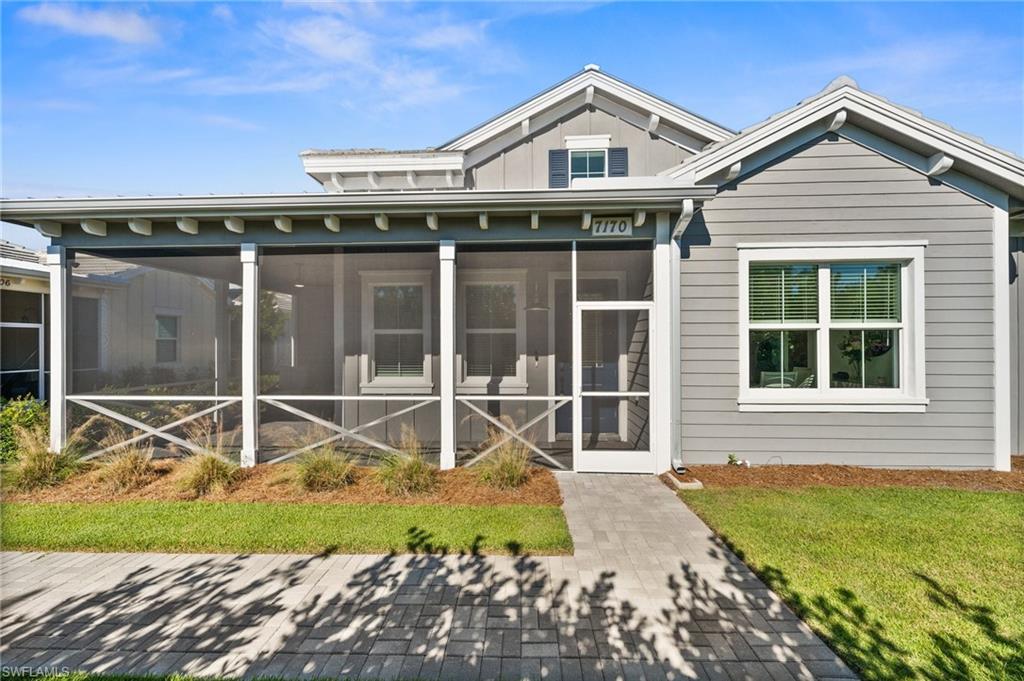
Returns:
point(133, 74)
point(221, 121)
point(123, 26)
point(450, 36)
point(254, 82)
point(224, 13)
point(328, 38)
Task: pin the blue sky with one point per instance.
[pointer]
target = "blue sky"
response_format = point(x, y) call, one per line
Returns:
point(203, 97)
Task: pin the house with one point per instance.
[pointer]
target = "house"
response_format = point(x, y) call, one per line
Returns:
point(125, 319)
point(612, 280)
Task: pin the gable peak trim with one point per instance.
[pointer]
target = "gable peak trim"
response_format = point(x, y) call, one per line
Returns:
point(583, 85)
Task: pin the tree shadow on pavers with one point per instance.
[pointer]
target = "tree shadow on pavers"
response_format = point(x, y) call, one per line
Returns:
point(422, 615)
point(155, 617)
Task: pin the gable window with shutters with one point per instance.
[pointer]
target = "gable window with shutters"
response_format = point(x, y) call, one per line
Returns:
point(832, 327)
point(586, 157)
point(396, 332)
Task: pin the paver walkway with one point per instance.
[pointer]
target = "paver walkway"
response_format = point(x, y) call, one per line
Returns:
point(648, 594)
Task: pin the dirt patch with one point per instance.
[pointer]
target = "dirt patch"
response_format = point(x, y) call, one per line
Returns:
point(852, 476)
point(276, 483)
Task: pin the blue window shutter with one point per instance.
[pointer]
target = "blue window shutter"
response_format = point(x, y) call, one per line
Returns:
point(558, 168)
point(618, 162)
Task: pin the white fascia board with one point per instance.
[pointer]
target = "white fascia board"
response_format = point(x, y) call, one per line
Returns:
point(901, 123)
point(363, 163)
point(215, 208)
point(23, 268)
point(577, 86)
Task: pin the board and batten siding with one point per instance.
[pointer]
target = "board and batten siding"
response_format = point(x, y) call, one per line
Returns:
point(525, 165)
point(836, 190)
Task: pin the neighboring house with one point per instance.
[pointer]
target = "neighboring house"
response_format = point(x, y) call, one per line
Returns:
point(615, 281)
point(126, 319)
point(24, 282)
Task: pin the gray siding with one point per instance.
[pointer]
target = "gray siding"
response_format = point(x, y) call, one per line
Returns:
point(1017, 343)
point(525, 165)
point(835, 189)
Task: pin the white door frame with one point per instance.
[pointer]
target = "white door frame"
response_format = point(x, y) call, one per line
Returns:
point(609, 461)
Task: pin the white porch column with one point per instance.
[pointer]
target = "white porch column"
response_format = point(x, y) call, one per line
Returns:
point(447, 350)
point(56, 262)
point(250, 353)
point(664, 378)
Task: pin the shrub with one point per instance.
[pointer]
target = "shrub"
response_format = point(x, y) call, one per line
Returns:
point(22, 412)
point(37, 466)
point(207, 472)
point(508, 466)
point(323, 469)
point(407, 471)
point(128, 467)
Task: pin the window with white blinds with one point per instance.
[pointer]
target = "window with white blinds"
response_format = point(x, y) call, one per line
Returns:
point(824, 326)
point(865, 292)
point(396, 315)
point(397, 331)
point(491, 328)
point(782, 293)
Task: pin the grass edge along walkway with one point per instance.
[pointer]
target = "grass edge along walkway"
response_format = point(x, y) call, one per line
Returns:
point(227, 527)
point(901, 583)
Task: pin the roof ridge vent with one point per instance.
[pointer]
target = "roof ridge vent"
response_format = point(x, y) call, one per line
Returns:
point(591, 67)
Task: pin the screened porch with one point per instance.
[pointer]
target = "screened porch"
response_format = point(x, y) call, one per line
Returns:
point(546, 344)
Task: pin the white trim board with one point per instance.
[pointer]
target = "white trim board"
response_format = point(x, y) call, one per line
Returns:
point(584, 86)
point(912, 390)
point(1001, 338)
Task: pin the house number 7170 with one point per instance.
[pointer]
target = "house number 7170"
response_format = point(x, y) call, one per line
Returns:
point(612, 226)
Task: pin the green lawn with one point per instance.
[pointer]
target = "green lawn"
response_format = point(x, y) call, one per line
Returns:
point(902, 583)
point(197, 526)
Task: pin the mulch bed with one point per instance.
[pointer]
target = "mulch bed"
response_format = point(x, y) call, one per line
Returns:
point(852, 476)
point(276, 483)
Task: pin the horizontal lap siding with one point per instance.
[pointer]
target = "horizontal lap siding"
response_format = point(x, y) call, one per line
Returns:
point(840, 191)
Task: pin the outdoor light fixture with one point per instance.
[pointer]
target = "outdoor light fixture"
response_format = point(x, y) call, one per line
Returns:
point(536, 302)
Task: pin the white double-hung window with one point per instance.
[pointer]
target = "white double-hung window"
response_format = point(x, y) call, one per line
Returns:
point(492, 324)
point(832, 327)
point(396, 332)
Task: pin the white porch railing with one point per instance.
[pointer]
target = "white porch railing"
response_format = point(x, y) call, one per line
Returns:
point(341, 432)
point(514, 432)
point(161, 432)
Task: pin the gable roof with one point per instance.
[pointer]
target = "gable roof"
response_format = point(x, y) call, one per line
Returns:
point(843, 103)
point(584, 86)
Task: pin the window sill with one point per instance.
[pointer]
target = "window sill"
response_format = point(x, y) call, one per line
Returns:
point(397, 388)
point(893, 405)
point(504, 388)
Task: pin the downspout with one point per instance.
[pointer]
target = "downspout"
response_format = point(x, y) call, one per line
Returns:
point(689, 209)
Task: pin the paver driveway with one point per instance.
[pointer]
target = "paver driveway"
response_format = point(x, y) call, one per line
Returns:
point(649, 594)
